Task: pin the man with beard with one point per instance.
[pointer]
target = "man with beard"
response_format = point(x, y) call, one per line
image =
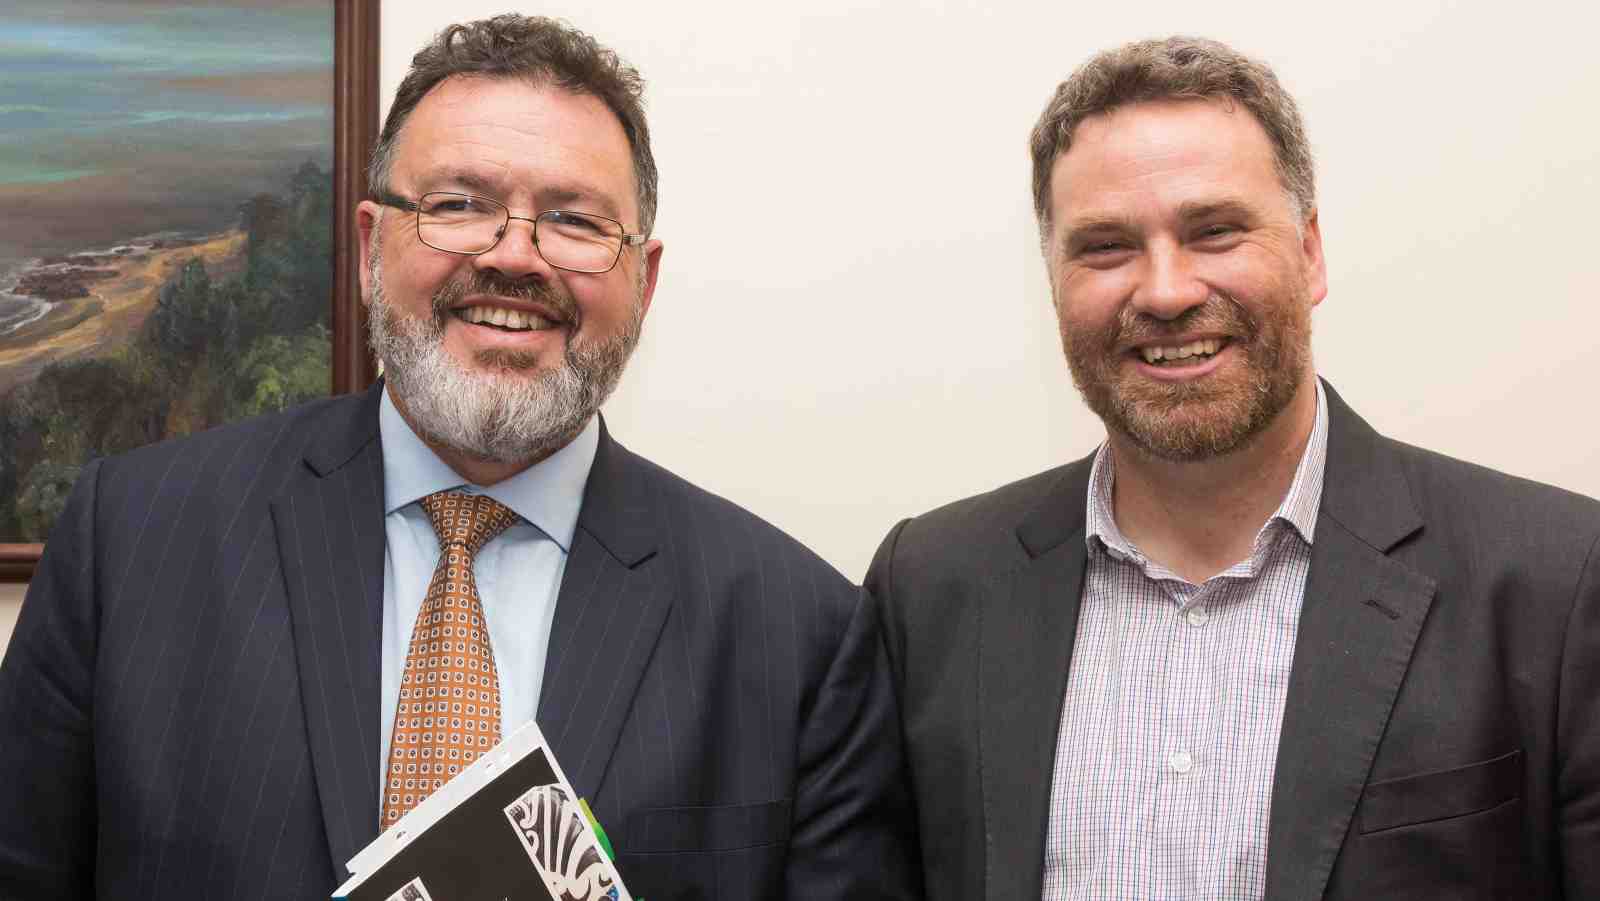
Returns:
point(223, 680)
point(1249, 648)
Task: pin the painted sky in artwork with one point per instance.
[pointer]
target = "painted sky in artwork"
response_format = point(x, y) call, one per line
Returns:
point(118, 119)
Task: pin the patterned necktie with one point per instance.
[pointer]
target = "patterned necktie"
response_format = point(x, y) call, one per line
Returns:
point(449, 710)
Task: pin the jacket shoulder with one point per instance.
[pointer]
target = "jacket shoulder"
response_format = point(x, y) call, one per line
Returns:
point(227, 471)
point(1472, 504)
point(1455, 486)
point(977, 536)
point(287, 432)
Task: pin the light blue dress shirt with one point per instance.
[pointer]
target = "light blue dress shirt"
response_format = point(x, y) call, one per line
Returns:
point(518, 573)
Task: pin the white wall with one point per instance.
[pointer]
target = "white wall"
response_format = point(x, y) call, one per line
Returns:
point(852, 323)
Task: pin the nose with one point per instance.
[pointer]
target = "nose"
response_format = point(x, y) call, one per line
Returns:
point(1168, 285)
point(515, 255)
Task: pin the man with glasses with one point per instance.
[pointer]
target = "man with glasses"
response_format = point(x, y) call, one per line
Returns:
point(247, 652)
point(1249, 648)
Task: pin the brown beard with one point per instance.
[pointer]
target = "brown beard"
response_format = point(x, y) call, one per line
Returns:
point(1202, 419)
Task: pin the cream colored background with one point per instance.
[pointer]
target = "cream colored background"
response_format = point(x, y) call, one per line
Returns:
point(852, 323)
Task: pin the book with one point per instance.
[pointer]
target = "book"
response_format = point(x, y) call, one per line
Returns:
point(509, 826)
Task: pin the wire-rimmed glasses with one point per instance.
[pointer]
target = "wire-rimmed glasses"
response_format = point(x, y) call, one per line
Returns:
point(469, 224)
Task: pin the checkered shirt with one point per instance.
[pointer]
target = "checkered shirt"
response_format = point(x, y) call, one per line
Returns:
point(1169, 728)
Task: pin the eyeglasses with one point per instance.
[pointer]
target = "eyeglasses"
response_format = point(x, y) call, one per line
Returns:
point(467, 224)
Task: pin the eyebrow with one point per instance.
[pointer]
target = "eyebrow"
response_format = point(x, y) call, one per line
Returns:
point(557, 196)
point(562, 196)
point(1189, 211)
point(1097, 222)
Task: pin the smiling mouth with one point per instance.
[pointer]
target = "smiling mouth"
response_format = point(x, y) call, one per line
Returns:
point(1176, 355)
point(505, 320)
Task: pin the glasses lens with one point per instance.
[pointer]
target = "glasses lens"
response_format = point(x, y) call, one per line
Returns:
point(579, 241)
point(459, 222)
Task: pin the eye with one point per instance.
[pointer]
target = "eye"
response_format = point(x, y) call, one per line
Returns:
point(454, 205)
point(569, 221)
point(1217, 231)
point(1102, 252)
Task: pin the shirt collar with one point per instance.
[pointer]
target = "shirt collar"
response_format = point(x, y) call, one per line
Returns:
point(1298, 509)
point(548, 494)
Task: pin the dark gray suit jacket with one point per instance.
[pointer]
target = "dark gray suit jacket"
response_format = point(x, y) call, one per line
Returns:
point(189, 705)
point(1441, 737)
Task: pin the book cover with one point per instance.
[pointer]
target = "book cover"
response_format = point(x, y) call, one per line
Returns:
point(507, 827)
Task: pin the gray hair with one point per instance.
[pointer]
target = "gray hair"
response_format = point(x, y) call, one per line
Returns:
point(1173, 68)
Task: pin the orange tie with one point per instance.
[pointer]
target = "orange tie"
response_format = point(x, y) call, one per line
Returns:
point(449, 710)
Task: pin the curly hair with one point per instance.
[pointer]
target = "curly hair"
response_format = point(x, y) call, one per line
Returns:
point(540, 50)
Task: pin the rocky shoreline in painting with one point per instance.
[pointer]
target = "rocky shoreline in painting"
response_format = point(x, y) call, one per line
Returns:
point(39, 287)
point(70, 275)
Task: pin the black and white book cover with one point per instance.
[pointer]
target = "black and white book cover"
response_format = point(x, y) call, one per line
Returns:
point(508, 826)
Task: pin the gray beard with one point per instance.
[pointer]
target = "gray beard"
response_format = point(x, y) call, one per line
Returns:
point(500, 415)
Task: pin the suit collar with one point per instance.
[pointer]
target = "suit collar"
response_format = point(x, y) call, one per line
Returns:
point(616, 594)
point(1059, 513)
point(1359, 623)
point(330, 541)
point(617, 511)
point(1028, 620)
point(1364, 487)
point(343, 431)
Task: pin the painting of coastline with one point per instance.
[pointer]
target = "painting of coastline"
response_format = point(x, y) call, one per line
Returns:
point(166, 246)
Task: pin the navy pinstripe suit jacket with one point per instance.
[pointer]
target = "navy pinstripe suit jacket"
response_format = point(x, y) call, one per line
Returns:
point(189, 705)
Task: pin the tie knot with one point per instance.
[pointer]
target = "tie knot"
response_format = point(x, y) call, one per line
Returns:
point(466, 520)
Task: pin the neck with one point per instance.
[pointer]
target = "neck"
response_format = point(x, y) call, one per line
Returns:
point(1199, 518)
point(471, 467)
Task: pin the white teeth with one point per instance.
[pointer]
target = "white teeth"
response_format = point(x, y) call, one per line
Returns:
point(1181, 352)
point(510, 319)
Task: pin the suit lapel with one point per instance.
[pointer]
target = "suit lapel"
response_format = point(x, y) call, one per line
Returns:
point(1029, 622)
point(1358, 625)
point(613, 603)
point(330, 536)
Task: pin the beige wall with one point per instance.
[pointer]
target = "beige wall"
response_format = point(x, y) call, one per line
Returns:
point(852, 320)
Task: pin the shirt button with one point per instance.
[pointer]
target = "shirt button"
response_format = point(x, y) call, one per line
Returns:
point(1181, 761)
point(1197, 616)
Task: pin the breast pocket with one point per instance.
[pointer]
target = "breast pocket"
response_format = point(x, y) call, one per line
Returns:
point(733, 851)
point(1424, 798)
point(1449, 834)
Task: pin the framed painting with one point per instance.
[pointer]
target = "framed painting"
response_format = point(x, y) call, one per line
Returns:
point(177, 250)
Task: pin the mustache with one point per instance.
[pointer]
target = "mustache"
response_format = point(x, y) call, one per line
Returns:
point(1220, 313)
point(494, 284)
